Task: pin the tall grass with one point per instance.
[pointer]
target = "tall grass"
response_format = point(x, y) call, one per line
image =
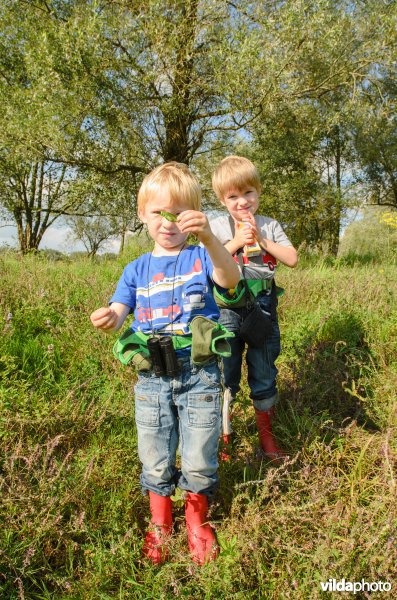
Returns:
point(71, 510)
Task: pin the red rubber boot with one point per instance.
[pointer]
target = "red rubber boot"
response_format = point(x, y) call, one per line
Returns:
point(155, 546)
point(266, 439)
point(201, 536)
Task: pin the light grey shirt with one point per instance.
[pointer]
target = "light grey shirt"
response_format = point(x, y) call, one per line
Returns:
point(258, 267)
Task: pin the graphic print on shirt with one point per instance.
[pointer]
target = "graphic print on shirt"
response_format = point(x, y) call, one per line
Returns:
point(160, 291)
point(168, 304)
point(160, 283)
point(258, 267)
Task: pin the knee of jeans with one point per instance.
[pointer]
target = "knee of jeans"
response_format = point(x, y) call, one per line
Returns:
point(200, 456)
point(162, 472)
point(200, 476)
point(154, 453)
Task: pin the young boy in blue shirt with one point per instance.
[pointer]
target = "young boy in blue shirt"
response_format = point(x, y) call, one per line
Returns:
point(166, 289)
point(257, 243)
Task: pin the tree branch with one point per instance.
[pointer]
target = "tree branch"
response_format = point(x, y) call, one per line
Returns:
point(85, 164)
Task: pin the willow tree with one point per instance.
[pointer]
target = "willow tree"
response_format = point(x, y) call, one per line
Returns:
point(196, 68)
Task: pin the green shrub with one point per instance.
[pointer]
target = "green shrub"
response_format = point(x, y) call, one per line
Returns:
point(370, 237)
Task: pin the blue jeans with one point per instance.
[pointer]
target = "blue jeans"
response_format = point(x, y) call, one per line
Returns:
point(262, 371)
point(184, 411)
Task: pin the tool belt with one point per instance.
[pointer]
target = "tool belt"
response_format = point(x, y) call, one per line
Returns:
point(237, 297)
point(207, 339)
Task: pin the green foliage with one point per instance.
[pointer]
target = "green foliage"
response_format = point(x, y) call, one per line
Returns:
point(94, 95)
point(72, 513)
point(137, 244)
point(370, 236)
point(375, 134)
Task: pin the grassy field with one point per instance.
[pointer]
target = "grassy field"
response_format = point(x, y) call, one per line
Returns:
point(71, 511)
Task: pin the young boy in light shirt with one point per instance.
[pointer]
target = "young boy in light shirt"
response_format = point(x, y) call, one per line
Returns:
point(257, 243)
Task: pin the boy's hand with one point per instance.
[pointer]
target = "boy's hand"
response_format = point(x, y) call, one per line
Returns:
point(285, 254)
point(254, 232)
point(244, 233)
point(104, 318)
point(194, 221)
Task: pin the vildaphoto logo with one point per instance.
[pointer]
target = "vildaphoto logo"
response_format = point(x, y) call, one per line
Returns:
point(334, 585)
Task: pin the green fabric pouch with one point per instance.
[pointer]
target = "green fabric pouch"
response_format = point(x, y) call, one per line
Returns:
point(133, 347)
point(208, 338)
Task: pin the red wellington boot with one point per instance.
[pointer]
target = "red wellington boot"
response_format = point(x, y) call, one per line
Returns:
point(266, 439)
point(201, 536)
point(155, 546)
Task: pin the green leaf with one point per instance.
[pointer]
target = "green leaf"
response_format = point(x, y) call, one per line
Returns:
point(168, 216)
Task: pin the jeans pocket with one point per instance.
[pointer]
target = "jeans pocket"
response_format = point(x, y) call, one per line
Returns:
point(210, 375)
point(147, 409)
point(203, 409)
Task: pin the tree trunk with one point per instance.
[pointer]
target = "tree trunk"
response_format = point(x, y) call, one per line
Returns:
point(122, 240)
point(337, 213)
point(178, 117)
point(34, 199)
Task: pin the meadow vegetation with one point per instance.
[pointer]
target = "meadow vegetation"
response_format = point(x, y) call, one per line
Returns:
point(71, 511)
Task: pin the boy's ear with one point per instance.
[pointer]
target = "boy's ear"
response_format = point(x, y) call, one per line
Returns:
point(142, 215)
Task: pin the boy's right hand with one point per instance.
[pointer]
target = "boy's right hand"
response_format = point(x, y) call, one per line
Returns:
point(104, 318)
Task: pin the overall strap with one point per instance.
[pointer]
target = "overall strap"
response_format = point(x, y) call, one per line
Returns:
point(231, 223)
point(239, 255)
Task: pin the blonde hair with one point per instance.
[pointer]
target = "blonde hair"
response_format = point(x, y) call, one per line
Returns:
point(235, 172)
point(181, 183)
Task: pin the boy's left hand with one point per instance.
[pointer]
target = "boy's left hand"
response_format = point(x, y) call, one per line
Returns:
point(194, 221)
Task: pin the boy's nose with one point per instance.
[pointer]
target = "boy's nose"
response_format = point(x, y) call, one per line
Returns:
point(166, 224)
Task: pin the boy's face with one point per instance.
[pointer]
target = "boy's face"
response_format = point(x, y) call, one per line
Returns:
point(166, 234)
point(241, 202)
